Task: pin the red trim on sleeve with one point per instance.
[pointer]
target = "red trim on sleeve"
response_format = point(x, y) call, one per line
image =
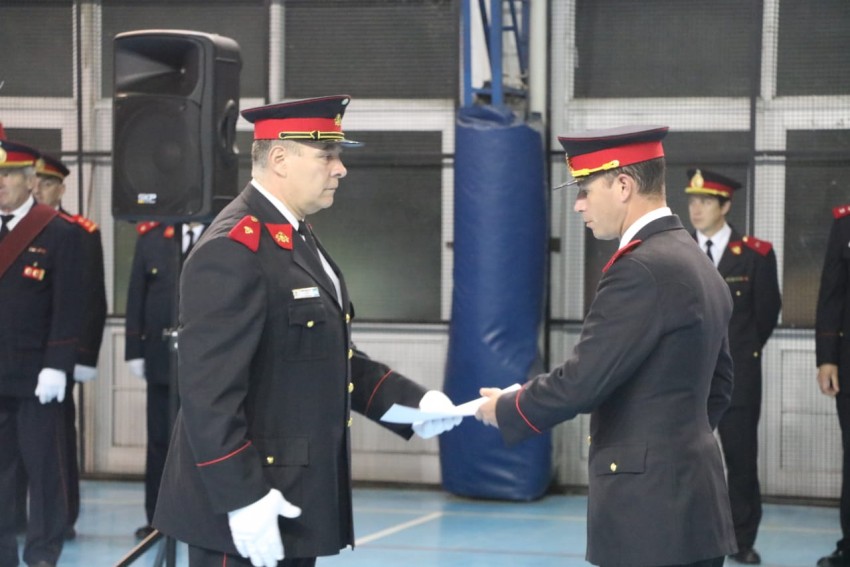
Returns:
point(378, 385)
point(522, 415)
point(225, 457)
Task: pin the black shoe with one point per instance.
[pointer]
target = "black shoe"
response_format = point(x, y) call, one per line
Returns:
point(839, 558)
point(747, 556)
point(70, 533)
point(144, 532)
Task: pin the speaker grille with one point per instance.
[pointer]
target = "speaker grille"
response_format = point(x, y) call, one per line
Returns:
point(159, 156)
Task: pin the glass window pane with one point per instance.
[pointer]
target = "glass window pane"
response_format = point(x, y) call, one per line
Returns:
point(372, 48)
point(813, 186)
point(814, 48)
point(384, 229)
point(125, 246)
point(40, 33)
point(245, 22)
point(666, 48)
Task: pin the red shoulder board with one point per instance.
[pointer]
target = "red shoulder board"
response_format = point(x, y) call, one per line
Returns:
point(247, 232)
point(760, 246)
point(621, 252)
point(841, 211)
point(87, 224)
point(67, 218)
point(282, 234)
point(145, 227)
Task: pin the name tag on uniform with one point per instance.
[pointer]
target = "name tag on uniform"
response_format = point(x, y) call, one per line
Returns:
point(305, 292)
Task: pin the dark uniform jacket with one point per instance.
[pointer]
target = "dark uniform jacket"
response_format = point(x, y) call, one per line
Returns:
point(150, 299)
point(268, 378)
point(832, 325)
point(94, 292)
point(749, 267)
point(40, 307)
point(653, 367)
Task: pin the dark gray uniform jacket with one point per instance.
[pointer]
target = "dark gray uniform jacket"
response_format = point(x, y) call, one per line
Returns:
point(268, 377)
point(653, 368)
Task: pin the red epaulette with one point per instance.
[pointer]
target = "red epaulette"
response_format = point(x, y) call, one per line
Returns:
point(621, 252)
point(760, 246)
point(247, 232)
point(841, 211)
point(87, 224)
point(282, 234)
point(145, 227)
point(67, 218)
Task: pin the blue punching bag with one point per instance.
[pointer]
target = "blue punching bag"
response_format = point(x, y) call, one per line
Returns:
point(497, 300)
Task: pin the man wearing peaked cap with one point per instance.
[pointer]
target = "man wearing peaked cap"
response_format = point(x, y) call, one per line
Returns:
point(652, 367)
point(40, 286)
point(749, 267)
point(832, 350)
point(49, 191)
point(268, 373)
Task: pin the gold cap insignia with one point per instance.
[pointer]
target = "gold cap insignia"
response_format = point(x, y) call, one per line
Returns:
point(338, 120)
point(697, 180)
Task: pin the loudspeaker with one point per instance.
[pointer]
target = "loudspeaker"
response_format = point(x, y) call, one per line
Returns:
point(174, 112)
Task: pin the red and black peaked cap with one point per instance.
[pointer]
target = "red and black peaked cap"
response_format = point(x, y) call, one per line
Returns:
point(591, 151)
point(306, 120)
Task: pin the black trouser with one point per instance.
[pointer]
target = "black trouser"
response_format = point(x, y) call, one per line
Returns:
point(738, 429)
point(159, 430)
point(33, 433)
point(201, 557)
point(842, 405)
point(73, 487)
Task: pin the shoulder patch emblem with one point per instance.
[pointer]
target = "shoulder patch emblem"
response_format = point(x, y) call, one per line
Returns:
point(760, 246)
point(247, 232)
point(145, 227)
point(282, 234)
point(841, 211)
point(621, 252)
point(87, 224)
point(735, 247)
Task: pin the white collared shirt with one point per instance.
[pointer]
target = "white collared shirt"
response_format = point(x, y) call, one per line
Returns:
point(295, 222)
point(20, 212)
point(642, 222)
point(719, 241)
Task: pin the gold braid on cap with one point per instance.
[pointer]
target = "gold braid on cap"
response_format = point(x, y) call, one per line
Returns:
point(315, 135)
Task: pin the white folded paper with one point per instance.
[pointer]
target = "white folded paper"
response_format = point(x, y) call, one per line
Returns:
point(406, 414)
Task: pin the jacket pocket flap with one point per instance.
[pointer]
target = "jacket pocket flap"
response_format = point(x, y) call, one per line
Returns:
point(618, 459)
point(308, 313)
point(285, 451)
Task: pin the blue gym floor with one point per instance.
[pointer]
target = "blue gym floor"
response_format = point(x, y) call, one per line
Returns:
point(425, 528)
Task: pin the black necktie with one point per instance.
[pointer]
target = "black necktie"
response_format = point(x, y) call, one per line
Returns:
point(708, 244)
point(191, 233)
point(305, 231)
point(4, 229)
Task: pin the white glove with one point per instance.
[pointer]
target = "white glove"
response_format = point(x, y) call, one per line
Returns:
point(435, 401)
point(255, 531)
point(137, 367)
point(84, 373)
point(51, 385)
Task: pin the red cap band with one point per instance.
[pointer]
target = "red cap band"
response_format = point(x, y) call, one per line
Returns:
point(272, 128)
point(611, 158)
